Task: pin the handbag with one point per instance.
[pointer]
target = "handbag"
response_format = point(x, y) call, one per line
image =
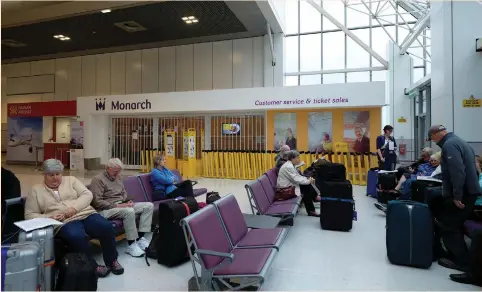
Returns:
point(283, 194)
point(212, 197)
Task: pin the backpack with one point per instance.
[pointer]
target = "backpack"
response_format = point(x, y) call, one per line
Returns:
point(76, 273)
point(212, 197)
point(150, 251)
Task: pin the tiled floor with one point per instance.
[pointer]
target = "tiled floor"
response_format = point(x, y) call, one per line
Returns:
point(310, 258)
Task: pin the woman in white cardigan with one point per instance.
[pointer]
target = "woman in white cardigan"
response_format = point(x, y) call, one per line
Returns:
point(289, 176)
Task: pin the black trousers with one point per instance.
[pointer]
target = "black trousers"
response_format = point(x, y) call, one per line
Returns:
point(450, 228)
point(309, 196)
point(183, 189)
point(475, 254)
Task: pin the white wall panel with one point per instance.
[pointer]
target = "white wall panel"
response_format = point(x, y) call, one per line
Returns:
point(258, 62)
point(242, 63)
point(74, 78)
point(133, 72)
point(88, 75)
point(203, 66)
point(150, 70)
point(61, 82)
point(43, 67)
point(223, 65)
point(167, 69)
point(102, 74)
point(184, 68)
point(118, 73)
point(31, 84)
point(18, 69)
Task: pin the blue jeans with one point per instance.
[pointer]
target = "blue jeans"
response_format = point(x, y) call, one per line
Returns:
point(76, 233)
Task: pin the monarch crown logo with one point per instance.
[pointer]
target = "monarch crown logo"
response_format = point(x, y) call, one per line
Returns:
point(100, 104)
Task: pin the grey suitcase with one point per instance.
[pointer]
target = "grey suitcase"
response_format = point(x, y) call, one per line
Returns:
point(45, 237)
point(23, 267)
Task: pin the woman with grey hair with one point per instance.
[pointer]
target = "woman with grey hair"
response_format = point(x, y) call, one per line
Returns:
point(166, 184)
point(290, 180)
point(66, 199)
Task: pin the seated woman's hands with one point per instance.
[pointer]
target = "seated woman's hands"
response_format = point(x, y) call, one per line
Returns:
point(70, 212)
point(58, 217)
point(312, 180)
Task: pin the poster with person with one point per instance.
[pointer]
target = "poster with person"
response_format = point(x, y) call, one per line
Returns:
point(357, 131)
point(320, 128)
point(284, 130)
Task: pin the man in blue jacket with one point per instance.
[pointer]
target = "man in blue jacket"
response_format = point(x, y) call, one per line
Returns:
point(460, 191)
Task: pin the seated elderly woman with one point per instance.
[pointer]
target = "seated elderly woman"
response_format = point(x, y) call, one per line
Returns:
point(425, 155)
point(66, 199)
point(165, 184)
point(431, 168)
point(290, 180)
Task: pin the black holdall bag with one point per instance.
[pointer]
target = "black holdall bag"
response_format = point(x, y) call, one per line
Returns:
point(330, 172)
point(387, 181)
point(212, 197)
point(171, 248)
point(76, 273)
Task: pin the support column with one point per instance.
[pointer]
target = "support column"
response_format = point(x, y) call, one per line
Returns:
point(399, 109)
point(456, 67)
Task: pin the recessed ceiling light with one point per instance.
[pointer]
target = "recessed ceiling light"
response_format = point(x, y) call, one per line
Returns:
point(190, 19)
point(58, 36)
point(65, 38)
point(106, 11)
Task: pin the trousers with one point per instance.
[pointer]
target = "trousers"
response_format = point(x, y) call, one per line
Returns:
point(450, 226)
point(76, 233)
point(128, 216)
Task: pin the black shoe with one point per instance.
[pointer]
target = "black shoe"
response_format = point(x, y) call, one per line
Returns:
point(313, 214)
point(466, 278)
point(102, 271)
point(116, 268)
point(446, 263)
point(382, 207)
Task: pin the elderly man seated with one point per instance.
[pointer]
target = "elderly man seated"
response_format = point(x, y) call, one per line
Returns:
point(110, 199)
point(67, 200)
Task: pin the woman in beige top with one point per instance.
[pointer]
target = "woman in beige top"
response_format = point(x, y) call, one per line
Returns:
point(67, 200)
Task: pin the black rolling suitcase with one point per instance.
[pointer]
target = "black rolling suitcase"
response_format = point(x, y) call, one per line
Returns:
point(419, 188)
point(337, 207)
point(171, 246)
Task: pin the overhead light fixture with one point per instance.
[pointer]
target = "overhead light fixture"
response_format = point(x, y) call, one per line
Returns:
point(61, 37)
point(190, 19)
point(105, 10)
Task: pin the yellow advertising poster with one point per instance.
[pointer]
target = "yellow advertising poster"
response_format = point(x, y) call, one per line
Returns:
point(472, 102)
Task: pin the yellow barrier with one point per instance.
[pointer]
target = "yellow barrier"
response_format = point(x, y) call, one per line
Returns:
point(249, 165)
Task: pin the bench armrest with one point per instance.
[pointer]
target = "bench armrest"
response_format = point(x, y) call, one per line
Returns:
point(193, 182)
point(229, 256)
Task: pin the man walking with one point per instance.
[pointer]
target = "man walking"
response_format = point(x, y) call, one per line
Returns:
point(460, 191)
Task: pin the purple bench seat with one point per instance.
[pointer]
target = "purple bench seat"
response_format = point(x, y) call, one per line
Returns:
point(272, 175)
point(218, 259)
point(260, 204)
point(471, 226)
point(271, 193)
point(237, 231)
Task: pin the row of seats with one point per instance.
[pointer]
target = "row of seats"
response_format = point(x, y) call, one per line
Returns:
point(139, 189)
point(225, 248)
point(261, 196)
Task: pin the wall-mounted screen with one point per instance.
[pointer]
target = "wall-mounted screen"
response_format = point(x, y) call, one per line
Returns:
point(231, 129)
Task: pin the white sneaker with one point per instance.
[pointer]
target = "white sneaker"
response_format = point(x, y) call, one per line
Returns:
point(134, 250)
point(143, 243)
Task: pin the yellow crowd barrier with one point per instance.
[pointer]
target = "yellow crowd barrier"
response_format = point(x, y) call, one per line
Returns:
point(249, 165)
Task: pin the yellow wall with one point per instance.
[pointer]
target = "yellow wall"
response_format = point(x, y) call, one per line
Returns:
point(338, 125)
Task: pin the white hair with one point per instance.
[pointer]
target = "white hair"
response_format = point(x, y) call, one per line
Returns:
point(437, 156)
point(53, 166)
point(114, 163)
point(428, 150)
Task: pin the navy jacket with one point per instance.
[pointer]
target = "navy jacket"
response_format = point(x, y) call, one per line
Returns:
point(458, 168)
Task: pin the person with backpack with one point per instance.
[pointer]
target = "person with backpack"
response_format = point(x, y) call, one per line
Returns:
point(66, 199)
point(386, 145)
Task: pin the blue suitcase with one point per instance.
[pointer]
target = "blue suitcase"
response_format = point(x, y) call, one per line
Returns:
point(409, 236)
point(372, 180)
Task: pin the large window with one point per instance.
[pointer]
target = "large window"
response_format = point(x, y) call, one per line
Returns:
point(317, 51)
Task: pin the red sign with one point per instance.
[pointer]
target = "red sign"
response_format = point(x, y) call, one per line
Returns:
point(43, 109)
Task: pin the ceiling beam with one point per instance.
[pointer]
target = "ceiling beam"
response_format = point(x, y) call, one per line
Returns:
point(61, 10)
point(421, 24)
point(349, 33)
